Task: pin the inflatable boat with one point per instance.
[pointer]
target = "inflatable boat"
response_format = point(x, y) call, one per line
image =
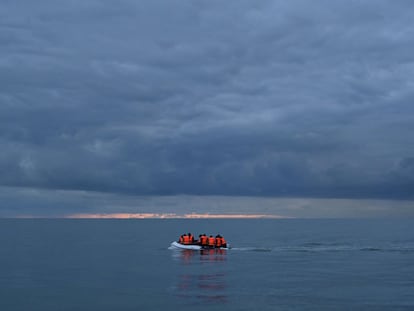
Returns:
point(194, 247)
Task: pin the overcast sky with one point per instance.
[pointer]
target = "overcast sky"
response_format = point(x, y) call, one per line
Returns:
point(298, 99)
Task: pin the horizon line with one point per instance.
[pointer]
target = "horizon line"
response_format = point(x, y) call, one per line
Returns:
point(157, 216)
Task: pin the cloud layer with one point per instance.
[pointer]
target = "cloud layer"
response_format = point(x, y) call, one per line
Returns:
point(276, 98)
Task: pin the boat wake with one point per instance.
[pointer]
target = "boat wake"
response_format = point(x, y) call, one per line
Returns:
point(252, 249)
point(321, 247)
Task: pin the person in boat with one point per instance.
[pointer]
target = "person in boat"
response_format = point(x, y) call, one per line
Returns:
point(185, 239)
point(203, 240)
point(190, 238)
point(211, 241)
point(223, 242)
point(218, 241)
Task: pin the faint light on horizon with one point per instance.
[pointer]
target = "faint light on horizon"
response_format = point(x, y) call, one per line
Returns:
point(170, 216)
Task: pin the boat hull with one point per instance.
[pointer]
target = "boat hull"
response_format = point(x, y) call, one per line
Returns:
point(176, 245)
point(182, 246)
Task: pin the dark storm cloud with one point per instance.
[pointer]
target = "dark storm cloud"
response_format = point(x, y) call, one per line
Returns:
point(276, 98)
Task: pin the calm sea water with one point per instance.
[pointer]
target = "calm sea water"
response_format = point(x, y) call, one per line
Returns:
point(274, 265)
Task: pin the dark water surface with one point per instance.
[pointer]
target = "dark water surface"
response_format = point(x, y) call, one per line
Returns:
point(274, 265)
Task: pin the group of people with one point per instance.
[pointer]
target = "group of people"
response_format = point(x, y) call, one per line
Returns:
point(203, 240)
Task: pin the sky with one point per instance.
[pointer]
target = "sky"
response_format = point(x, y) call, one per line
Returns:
point(291, 108)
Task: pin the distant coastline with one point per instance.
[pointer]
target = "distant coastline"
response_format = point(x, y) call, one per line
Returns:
point(162, 216)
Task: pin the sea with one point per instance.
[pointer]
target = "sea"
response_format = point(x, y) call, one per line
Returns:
point(273, 264)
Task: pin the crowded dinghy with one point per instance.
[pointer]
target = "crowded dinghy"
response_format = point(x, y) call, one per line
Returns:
point(187, 241)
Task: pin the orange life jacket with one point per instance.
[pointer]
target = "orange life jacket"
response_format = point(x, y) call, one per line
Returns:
point(218, 242)
point(191, 239)
point(203, 240)
point(186, 239)
point(180, 240)
point(211, 241)
point(223, 242)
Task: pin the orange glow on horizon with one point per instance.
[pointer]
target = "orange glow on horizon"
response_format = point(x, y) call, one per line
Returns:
point(170, 216)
